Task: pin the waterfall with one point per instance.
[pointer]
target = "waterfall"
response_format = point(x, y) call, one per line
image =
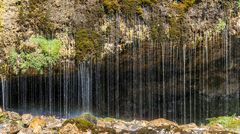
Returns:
point(3, 87)
point(146, 80)
point(84, 75)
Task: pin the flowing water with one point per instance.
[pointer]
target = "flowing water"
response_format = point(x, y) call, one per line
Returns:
point(145, 81)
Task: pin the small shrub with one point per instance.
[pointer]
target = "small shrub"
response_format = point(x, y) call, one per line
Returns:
point(46, 54)
point(50, 48)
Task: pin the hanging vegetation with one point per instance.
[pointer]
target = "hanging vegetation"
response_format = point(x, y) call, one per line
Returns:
point(45, 54)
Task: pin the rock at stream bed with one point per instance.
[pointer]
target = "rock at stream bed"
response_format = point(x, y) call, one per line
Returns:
point(14, 116)
point(26, 119)
point(69, 129)
point(88, 124)
point(25, 131)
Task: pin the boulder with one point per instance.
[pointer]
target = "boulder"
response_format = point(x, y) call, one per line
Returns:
point(81, 124)
point(14, 116)
point(37, 124)
point(26, 119)
point(187, 128)
point(162, 123)
point(25, 131)
point(69, 129)
point(89, 117)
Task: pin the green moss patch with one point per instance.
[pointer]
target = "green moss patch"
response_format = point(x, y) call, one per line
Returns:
point(127, 7)
point(81, 123)
point(89, 117)
point(88, 44)
point(175, 28)
point(3, 118)
point(228, 122)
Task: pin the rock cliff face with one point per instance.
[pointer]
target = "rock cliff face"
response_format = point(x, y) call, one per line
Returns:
point(190, 26)
point(62, 19)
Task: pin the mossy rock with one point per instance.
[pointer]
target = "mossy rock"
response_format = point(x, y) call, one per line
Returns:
point(111, 6)
point(108, 119)
point(228, 122)
point(35, 14)
point(81, 123)
point(183, 5)
point(89, 117)
point(4, 69)
point(3, 117)
point(1, 19)
point(88, 44)
point(145, 130)
point(157, 30)
point(175, 28)
point(127, 7)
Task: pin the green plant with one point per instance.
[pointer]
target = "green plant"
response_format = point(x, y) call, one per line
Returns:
point(50, 48)
point(228, 122)
point(88, 44)
point(220, 25)
point(46, 54)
